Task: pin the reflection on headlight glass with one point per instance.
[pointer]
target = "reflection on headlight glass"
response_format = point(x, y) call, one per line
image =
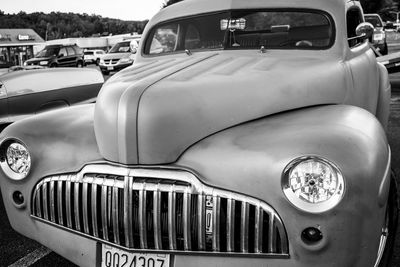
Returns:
point(18, 158)
point(314, 181)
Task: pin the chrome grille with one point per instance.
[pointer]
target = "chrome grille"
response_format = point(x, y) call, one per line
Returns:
point(162, 210)
point(111, 61)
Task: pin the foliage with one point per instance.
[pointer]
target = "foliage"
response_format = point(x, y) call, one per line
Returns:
point(64, 25)
point(386, 8)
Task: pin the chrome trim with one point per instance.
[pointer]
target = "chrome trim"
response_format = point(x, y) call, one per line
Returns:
point(156, 206)
point(200, 223)
point(303, 204)
point(104, 211)
point(60, 202)
point(230, 226)
point(128, 228)
point(171, 218)
point(383, 240)
point(93, 195)
point(114, 212)
point(142, 217)
point(76, 207)
point(216, 222)
point(85, 208)
point(156, 218)
point(68, 202)
point(187, 200)
point(258, 230)
point(244, 228)
point(52, 202)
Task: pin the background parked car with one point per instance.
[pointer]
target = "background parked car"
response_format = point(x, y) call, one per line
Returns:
point(93, 56)
point(25, 93)
point(58, 56)
point(379, 36)
point(120, 56)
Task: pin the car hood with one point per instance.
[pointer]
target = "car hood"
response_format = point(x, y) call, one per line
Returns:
point(116, 55)
point(37, 59)
point(153, 111)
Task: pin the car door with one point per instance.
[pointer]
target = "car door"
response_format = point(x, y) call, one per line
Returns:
point(62, 57)
point(361, 66)
point(72, 57)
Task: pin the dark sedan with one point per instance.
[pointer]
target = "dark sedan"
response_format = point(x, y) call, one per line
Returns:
point(24, 93)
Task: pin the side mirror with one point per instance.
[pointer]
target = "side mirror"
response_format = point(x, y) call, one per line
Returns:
point(60, 55)
point(364, 30)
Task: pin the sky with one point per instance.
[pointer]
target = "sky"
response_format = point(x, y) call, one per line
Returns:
point(118, 9)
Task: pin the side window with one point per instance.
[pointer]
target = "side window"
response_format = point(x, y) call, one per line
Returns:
point(192, 37)
point(165, 39)
point(353, 19)
point(70, 51)
point(63, 52)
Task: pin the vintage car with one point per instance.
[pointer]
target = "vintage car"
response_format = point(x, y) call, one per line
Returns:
point(58, 55)
point(120, 56)
point(378, 39)
point(25, 93)
point(246, 133)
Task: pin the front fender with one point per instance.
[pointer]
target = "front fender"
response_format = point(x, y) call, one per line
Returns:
point(250, 159)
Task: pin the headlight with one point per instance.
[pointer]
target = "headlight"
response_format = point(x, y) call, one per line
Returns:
point(15, 160)
point(313, 184)
point(101, 61)
point(378, 36)
point(43, 63)
point(125, 60)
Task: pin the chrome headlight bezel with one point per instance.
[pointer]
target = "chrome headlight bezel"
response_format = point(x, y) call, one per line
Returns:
point(303, 204)
point(5, 162)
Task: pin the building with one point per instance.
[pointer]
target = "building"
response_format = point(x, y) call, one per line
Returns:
point(16, 45)
point(101, 42)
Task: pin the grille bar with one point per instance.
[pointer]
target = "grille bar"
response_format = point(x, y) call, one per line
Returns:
point(159, 210)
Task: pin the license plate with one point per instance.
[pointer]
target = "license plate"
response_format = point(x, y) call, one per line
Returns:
point(110, 68)
point(115, 257)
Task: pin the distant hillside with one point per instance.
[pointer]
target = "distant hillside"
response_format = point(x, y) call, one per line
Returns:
point(58, 25)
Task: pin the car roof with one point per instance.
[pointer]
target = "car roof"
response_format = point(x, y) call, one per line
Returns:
point(192, 7)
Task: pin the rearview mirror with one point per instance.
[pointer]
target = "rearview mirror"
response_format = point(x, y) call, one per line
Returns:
point(364, 30)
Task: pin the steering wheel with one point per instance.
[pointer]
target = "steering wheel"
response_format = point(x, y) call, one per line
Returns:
point(304, 43)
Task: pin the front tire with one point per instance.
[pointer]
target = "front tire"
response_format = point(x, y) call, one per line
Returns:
point(79, 64)
point(392, 213)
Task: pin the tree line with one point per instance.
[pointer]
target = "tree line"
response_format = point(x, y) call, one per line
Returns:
point(58, 25)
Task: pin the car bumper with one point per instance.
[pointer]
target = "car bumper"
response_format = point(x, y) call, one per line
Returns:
point(114, 67)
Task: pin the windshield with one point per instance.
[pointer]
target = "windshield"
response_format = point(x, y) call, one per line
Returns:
point(244, 29)
point(48, 52)
point(122, 47)
point(374, 20)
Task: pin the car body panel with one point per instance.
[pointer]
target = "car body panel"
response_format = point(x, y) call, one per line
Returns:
point(34, 91)
point(235, 159)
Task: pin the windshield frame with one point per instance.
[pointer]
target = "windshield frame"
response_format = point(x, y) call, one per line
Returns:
point(149, 36)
